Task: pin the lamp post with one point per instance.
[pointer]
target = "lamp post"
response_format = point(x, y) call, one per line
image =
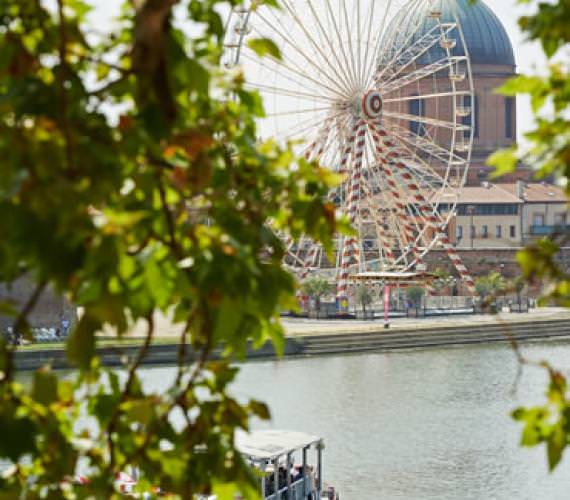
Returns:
point(471, 212)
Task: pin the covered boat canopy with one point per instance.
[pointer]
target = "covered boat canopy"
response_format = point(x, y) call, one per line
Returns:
point(270, 444)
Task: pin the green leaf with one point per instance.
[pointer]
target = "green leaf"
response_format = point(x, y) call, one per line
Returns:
point(264, 47)
point(45, 386)
point(81, 343)
point(259, 409)
point(505, 162)
point(18, 435)
point(555, 446)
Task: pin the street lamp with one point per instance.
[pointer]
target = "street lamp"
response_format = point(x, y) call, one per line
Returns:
point(471, 211)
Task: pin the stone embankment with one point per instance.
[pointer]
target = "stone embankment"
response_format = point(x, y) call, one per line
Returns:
point(343, 341)
point(314, 345)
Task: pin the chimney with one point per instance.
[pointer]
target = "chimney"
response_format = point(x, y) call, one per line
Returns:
point(520, 189)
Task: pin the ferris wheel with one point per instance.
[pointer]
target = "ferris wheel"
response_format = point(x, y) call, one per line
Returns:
point(379, 91)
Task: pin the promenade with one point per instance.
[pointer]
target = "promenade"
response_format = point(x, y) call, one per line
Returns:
point(306, 337)
point(299, 327)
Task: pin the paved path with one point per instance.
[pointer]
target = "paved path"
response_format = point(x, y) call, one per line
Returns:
point(302, 326)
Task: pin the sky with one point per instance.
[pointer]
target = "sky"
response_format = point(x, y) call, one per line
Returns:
point(529, 57)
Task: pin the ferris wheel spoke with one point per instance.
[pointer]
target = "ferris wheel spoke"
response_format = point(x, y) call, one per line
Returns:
point(295, 46)
point(397, 202)
point(424, 172)
point(333, 50)
point(416, 75)
point(382, 47)
point(274, 69)
point(349, 32)
point(331, 19)
point(416, 50)
point(410, 164)
point(318, 145)
point(435, 122)
point(414, 228)
point(307, 125)
point(358, 46)
point(296, 112)
point(421, 97)
point(374, 209)
point(316, 46)
point(283, 64)
point(375, 54)
point(288, 92)
point(424, 203)
point(365, 64)
point(428, 147)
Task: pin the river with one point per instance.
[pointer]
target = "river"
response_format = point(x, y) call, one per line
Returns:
point(417, 425)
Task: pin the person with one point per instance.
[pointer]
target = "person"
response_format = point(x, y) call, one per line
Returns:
point(308, 472)
point(64, 327)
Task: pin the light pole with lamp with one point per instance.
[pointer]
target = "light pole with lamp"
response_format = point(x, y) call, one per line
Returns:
point(471, 211)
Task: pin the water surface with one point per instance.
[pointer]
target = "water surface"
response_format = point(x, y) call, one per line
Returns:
point(426, 424)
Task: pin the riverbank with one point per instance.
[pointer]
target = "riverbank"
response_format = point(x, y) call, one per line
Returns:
point(333, 337)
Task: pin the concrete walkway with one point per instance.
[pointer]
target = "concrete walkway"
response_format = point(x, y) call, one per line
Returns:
point(299, 327)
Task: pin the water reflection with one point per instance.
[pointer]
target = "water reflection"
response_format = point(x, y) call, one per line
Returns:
point(429, 424)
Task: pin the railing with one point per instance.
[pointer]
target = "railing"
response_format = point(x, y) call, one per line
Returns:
point(297, 491)
point(544, 230)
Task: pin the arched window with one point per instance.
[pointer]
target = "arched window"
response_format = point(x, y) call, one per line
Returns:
point(417, 107)
point(473, 118)
point(509, 111)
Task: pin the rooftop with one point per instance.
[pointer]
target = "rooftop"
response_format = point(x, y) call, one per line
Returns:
point(488, 193)
point(270, 444)
point(539, 192)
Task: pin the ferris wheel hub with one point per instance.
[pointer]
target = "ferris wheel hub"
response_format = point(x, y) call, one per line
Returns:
point(372, 104)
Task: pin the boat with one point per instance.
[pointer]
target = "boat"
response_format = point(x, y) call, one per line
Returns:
point(284, 461)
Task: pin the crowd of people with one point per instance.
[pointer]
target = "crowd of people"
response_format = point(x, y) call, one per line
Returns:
point(296, 473)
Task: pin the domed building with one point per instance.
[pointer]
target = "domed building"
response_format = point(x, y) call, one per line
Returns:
point(492, 63)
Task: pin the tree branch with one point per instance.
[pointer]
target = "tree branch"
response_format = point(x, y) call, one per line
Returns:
point(112, 425)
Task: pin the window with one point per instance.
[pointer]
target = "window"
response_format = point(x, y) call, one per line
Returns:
point(488, 209)
point(473, 118)
point(484, 231)
point(560, 219)
point(459, 233)
point(509, 108)
point(513, 231)
point(538, 220)
point(499, 231)
point(417, 107)
point(473, 232)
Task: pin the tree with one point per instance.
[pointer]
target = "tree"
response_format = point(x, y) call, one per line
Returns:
point(442, 279)
point(548, 150)
point(517, 285)
point(489, 286)
point(364, 297)
point(415, 295)
point(316, 288)
point(132, 183)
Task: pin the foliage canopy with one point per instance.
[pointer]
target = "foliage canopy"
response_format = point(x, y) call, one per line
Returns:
point(133, 184)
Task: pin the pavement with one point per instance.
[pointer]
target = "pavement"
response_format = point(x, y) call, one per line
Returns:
point(297, 327)
point(301, 326)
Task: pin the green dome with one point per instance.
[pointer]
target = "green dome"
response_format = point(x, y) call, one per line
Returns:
point(485, 36)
